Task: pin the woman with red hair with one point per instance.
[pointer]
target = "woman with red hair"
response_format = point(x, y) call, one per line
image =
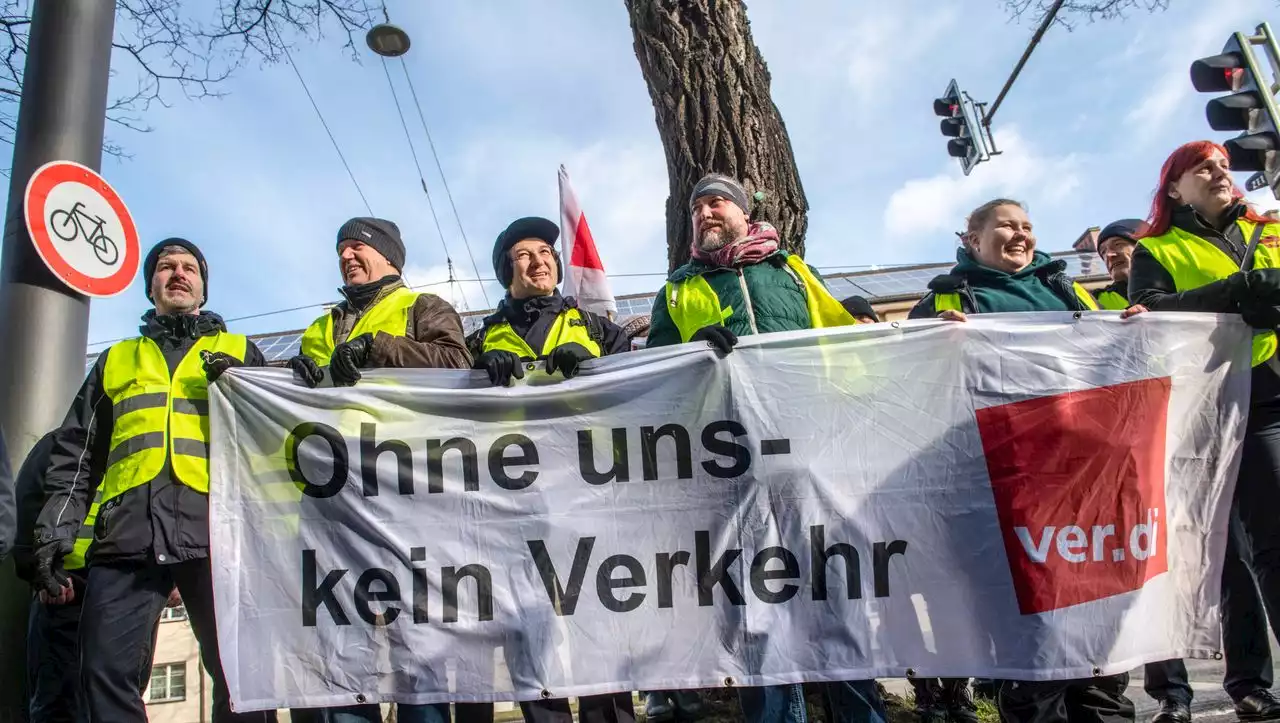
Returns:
point(1206, 249)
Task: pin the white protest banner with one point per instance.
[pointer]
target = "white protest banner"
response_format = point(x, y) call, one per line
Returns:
point(1032, 496)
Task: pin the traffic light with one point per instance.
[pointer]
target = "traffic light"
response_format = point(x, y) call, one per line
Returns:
point(1250, 107)
point(960, 124)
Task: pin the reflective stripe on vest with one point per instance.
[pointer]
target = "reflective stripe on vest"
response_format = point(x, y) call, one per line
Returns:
point(76, 559)
point(389, 316)
point(693, 304)
point(155, 416)
point(1194, 262)
point(1111, 301)
point(570, 327)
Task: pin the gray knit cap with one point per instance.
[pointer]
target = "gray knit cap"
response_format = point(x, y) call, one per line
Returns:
point(715, 184)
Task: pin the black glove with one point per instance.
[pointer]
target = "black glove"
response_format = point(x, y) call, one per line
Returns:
point(718, 336)
point(217, 362)
point(307, 370)
point(567, 358)
point(347, 359)
point(1260, 316)
point(1263, 287)
point(49, 574)
point(501, 365)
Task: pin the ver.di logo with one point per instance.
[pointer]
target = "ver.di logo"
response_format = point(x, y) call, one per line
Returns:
point(1078, 481)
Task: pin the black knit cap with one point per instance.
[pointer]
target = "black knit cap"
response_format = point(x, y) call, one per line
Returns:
point(519, 230)
point(379, 233)
point(153, 259)
point(858, 306)
point(1127, 228)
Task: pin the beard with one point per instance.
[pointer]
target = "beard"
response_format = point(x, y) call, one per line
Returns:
point(714, 238)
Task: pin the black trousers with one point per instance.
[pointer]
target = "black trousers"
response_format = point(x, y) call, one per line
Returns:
point(1251, 567)
point(1090, 700)
point(53, 659)
point(608, 708)
point(117, 625)
point(1167, 680)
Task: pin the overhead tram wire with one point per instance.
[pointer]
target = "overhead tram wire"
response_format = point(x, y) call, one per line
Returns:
point(443, 179)
point(332, 139)
point(422, 180)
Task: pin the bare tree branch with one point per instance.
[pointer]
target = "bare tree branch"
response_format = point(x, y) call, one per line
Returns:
point(188, 48)
point(1074, 10)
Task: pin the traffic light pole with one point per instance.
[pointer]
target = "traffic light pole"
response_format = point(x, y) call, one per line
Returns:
point(44, 325)
point(1026, 54)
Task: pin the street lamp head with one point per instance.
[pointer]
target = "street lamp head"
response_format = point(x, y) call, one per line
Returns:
point(387, 40)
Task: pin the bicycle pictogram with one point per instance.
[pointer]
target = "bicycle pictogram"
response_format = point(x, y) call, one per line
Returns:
point(75, 223)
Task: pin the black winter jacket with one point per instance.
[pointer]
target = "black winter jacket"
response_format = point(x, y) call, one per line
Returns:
point(161, 520)
point(532, 319)
point(1151, 284)
point(29, 484)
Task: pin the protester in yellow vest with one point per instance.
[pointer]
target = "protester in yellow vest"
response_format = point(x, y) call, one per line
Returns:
point(380, 323)
point(999, 270)
point(739, 282)
point(138, 433)
point(1116, 243)
point(534, 321)
point(1205, 249)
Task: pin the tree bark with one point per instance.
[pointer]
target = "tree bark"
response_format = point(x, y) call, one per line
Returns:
point(710, 91)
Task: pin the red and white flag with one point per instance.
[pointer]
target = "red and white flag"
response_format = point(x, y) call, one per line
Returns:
point(584, 277)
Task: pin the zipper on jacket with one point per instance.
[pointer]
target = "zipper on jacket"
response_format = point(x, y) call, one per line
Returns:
point(746, 297)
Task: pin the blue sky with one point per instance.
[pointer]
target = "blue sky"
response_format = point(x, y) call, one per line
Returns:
point(512, 90)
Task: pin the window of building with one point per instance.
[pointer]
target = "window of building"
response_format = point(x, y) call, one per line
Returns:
point(178, 612)
point(168, 683)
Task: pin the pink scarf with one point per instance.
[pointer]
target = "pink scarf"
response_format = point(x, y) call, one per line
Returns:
point(760, 242)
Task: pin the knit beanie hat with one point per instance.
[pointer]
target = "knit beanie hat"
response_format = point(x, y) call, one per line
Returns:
point(1125, 228)
point(715, 184)
point(153, 259)
point(519, 230)
point(379, 233)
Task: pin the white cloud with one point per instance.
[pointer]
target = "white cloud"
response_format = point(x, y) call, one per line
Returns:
point(925, 206)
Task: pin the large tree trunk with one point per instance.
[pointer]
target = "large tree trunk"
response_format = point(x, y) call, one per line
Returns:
point(710, 91)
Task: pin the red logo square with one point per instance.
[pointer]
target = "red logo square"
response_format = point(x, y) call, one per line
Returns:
point(1078, 480)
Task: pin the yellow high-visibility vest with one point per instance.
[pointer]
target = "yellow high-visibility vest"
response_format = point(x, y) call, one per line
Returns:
point(570, 327)
point(950, 300)
point(155, 415)
point(693, 304)
point(1194, 262)
point(389, 316)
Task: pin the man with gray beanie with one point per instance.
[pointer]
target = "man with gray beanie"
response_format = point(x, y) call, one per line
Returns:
point(741, 282)
point(380, 322)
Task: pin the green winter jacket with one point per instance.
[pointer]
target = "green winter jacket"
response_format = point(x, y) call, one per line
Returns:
point(777, 299)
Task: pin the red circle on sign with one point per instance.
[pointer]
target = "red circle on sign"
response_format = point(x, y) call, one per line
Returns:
point(42, 182)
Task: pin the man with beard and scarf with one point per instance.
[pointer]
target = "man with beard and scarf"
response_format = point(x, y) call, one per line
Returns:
point(138, 433)
point(740, 282)
point(534, 321)
point(379, 324)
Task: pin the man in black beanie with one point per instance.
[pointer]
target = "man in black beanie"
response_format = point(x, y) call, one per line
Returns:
point(1116, 243)
point(534, 321)
point(380, 323)
point(861, 309)
point(151, 532)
